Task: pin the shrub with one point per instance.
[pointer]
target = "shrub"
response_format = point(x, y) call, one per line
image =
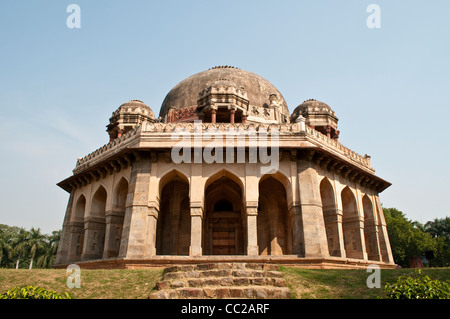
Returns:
point(417, 288)
point(31, 292)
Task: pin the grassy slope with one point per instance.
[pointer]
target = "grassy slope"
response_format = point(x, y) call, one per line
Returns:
point(132, 284)
point(347, 284)
point(95, 284)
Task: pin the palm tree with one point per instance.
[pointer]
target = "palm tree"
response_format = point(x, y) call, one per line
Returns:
point(5, 249)
point(19, 244)
point(35, 243)
point(51, 247)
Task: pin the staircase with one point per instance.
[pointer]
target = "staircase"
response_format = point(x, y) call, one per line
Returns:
point(222, 280)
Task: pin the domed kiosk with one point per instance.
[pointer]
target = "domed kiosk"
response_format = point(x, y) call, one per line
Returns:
point(224, 174)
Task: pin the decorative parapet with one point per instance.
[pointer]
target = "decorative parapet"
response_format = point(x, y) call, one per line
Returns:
point(287, 129)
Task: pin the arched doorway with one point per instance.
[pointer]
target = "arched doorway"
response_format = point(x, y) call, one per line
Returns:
point(174, 223)
point(95, 226)
point(370, 230)
point(351, 225)
point(330, 217)
point(114, 219)
point(77, 229)
point(272, 221)
point(223, 222)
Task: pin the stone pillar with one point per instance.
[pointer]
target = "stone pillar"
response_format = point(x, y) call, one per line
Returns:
point(63, 253)
point(314, 235)
point(135, 226)
point(152, 223)
point(94, 238)
point(76, 242)
point(298, 240)
point(114, 223)
point(213, 116)
point(232, 111)
point(195, 250)
point(385, 246)
point(252, 231)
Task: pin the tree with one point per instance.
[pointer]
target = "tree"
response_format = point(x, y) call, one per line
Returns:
point(19, 245)
point(406, 237)
point(49, 254)
point(35, 243)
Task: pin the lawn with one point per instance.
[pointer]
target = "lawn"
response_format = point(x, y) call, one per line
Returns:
point(348, 283)
point(138, 284)
point(95, 284)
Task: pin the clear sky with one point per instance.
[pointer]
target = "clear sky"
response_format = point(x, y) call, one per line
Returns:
point(389, 86)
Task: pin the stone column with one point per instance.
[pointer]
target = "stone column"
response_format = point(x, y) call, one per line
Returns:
point(213, 116)
point(63, 253)
point(298, 240)
point(314, 235)
point(195, 250)
point(94, 238)
point(252, 231)
point(385, 246)
point(135, 228)
point(114, 222)
point(232, 111)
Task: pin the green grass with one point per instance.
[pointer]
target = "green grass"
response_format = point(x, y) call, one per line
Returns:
point(347, 283)
point(95, 284)
point(139, 283)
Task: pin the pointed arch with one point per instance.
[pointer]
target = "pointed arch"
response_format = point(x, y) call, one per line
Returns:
point(98, 202)
point(223, 226)
point(120, 195)
point(115, 217)
point(351, 224)
point(370, 230)
point(273, 226)
point(95, 226)
point(224, 172)
point(170, 175)
point(174, 223)
point(80, 209)
point(77, 229)
point(330, 216)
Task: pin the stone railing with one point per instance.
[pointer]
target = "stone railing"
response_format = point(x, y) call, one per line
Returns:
point(168, 128)
point(362, 160)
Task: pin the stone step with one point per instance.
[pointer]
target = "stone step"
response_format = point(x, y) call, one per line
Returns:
point(222, 280)
point(249, 292)
point(216, 266)
point(221, 273)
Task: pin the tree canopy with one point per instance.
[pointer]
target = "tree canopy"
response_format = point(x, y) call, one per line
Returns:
point(21, 248)
point(411, 239)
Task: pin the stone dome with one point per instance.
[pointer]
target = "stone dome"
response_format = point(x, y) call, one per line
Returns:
point(134, 107)
point(261, 94)
point(312, 107)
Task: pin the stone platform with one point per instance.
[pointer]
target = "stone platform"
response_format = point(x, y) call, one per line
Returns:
point(222, 281)
point(286, 260)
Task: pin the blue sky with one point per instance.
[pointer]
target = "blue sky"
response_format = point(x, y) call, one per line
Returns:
point(390, 87)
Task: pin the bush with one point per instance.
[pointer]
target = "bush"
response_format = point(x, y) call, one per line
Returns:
point(31, 292)
point(417, 288)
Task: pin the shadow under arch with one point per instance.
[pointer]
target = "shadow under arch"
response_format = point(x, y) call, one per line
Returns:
point(274, 227)
point(223, 222)
point(173, 228)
